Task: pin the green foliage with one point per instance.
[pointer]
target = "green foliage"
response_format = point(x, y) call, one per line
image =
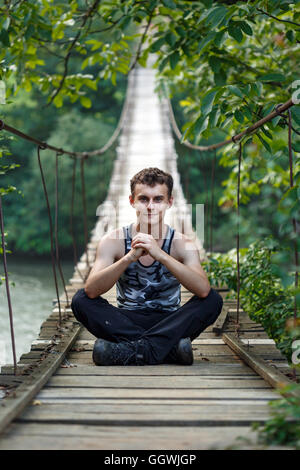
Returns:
point(262, 293)
point(5, 168)
point(284, 426)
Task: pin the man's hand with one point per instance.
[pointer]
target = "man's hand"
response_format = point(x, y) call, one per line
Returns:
point(148, 243)
point(135, 253)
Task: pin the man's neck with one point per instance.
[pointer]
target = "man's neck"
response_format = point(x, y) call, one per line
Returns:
point(158, 230)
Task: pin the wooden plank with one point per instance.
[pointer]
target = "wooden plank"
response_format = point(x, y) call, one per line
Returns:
point(274, 377)
point(137, 382)
point(154, 415)
point(219, 324)
point(94, 393)
point(12, 405)
point(199, 370)
point(33, 436)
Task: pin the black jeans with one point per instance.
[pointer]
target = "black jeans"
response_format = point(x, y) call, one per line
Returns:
point(161, 330)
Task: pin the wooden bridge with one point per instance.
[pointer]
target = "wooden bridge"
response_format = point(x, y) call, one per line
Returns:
point(61, 400)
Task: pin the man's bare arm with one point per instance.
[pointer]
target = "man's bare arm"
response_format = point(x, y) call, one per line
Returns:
point(189, 273)
point(105, 271)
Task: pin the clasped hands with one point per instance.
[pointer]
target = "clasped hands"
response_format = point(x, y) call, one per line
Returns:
point(145, 244)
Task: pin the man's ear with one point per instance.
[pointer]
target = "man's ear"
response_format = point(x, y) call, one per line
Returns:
point(131, 200)
point(171, 200)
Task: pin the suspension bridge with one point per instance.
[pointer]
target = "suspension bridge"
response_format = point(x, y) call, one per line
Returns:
point(56, 398)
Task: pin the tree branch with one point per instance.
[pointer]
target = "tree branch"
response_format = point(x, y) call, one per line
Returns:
point(275, 17)
point(87, 15)
point(141, 41)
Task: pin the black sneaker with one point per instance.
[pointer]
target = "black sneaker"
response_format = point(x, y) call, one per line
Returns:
point(181, 353)
point(106, 353)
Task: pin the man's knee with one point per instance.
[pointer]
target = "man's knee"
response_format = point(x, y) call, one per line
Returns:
point(216, 299)
point(211, 305)
point(78, 298)
point(78, 302)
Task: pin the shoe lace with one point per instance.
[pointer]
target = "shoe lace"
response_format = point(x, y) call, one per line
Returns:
point(127, 353)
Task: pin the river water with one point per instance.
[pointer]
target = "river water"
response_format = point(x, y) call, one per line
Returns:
point(31, 298)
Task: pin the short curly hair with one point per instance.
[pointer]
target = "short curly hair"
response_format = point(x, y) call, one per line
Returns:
point(152, 176)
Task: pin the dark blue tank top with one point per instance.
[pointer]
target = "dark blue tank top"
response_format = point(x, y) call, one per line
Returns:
point(148, 287)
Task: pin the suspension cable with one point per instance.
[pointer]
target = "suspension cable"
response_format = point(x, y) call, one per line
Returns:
point(50, 230)
point(100, 151)
point(238, 239)
point(13, 343)
point(294, 222)
point(75, 257)
point(56, 231)
point(84, 210)
point(279, 109)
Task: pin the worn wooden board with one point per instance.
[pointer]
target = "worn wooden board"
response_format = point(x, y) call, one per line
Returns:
point(171, 370)
point(256, 361)
point(14, 404)
point(137, 382)
point(147, 414)
point(34, 436)
point(94, 393)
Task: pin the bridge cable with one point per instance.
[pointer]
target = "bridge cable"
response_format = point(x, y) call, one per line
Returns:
point(277, 111)
point(212, 188)
point(100, 151)
point(238, 239)
point(13, 343)
point(56, 231)
point(50, 229)
point(75, 257)
point(84, 210)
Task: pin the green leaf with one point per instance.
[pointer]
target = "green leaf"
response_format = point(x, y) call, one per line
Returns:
point(171, 39)
point(207, 102)
point(216, 16)
point(235, 32)
point(205, 41)
point(4, 38)
point(214, 63)
point(85, 101)
point(265, 144)
point(58, 101)
point(295, 110)
point(155, 46)
point(236, 91)
point(6, 23)
point(272, 77)
point(218, 38)
point(174, 59)
point(170, 4)
point(200, 125)
point(239, 116)
point(267, 133)
point(246, 28)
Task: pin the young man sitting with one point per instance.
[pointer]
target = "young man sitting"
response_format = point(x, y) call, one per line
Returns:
point(148, 264)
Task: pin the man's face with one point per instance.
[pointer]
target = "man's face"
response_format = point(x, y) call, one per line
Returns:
point(150, 203)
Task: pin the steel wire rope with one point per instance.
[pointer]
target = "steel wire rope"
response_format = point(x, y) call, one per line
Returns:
point(56, 232)
point(12, 333)
point(50, 230)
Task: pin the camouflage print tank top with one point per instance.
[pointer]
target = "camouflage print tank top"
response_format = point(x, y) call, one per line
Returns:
point(148, 287)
